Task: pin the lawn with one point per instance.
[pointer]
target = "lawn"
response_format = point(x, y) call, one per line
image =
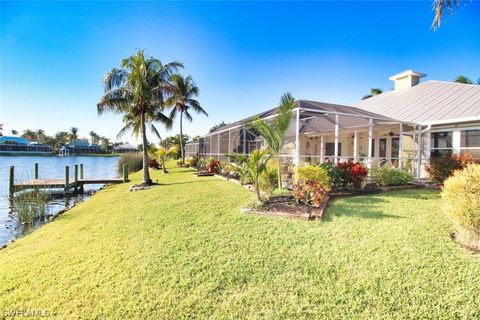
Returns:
point(183, 250)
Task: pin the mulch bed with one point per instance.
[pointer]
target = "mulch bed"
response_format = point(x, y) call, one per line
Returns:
point(286, 207)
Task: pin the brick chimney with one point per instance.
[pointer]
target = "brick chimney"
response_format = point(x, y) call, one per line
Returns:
point(406, 79)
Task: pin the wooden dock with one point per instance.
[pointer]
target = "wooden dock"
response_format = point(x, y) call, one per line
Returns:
point(66, 184)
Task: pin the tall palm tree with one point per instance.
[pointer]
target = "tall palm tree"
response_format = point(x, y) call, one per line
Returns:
point(14, 132)
point(442, 7)
point(275, 135)
point(136, 89)
point(182, 92)
point(1, 129)
point(373, 92)
point(73, 134)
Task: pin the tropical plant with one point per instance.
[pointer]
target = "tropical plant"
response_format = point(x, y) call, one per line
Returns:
point(137, 90)
point(442, 7)
point(133, 124)
point(1, 129)
point(170, 141)
point(335, 174)
point(14, 132)
point(373, 92)
point(314, 173)
point(463, 79)
point(353, 173)
point(162, 155)
point(254, 165)
point(312, 185)
point(94, 137)
point(182, 93)
point(275, 135)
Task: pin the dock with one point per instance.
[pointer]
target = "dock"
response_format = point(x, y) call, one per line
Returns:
point(68, 185)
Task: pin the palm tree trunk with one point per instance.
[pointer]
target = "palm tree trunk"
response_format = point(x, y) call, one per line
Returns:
point(146, 174)
point(182, 155)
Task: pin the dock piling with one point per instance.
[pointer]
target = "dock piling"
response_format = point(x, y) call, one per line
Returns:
point(36, 170)
point(67, 177)
point(125, 173)
point(11, 186)
point(81, 171)
point(76, 177)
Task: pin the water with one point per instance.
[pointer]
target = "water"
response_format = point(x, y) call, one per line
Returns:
point(51, 167)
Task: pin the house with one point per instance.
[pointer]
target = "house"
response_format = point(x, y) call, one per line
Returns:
point(11, 144)
point(400, 128)
point(80, 147)
point(125, 148)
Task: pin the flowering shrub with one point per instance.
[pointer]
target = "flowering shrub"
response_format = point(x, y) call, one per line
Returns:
point(192, 161)
point(441, 167)
point(312, 186)
point(352, 172)
point(213, 166)
point(335, 174)
point(391, 176)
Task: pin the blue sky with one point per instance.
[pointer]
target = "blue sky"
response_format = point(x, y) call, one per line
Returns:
point(243, 55)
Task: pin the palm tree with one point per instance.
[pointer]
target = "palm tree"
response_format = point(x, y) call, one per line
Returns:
point(441, 7)
point(41, 137)
point(275, 135)
point(478, 81)
point(254, 164)
point(14, 132)
point(94, 137)
point(1, 129)
point(136, 90)
point(373, 92)
point(73, 134)
point(182, 92)
point(463, 79)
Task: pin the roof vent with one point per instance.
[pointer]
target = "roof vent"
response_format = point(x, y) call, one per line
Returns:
point(406, 79)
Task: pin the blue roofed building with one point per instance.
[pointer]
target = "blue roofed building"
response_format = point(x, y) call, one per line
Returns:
point(80, 147)
point(14, 145)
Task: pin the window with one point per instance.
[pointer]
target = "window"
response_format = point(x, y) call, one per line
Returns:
point(470, 143)
point(395, 148)
point(440, 143)
point(382, 148)
point(330, 149)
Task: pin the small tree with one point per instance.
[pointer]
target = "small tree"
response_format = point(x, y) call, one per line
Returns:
point(275, 135)
point(162, 155)
point(254, 164)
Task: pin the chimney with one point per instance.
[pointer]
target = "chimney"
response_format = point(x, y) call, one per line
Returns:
point(406, 79)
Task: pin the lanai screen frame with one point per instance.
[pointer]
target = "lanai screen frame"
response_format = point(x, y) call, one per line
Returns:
point(303, 111)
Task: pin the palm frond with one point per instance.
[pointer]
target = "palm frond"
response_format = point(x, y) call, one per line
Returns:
point(442, 8)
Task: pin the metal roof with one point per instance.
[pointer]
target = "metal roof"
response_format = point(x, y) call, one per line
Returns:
point(17, 140)
point(428, 102)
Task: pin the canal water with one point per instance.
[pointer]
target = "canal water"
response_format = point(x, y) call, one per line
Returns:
point(49, 167)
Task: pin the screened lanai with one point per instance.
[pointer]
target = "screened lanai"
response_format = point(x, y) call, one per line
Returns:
point(321, 132)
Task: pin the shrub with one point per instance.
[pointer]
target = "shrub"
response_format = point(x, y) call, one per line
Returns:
point(153, 163)
point(313, 173)
point(312, 185)
point(441, 167)
point(391, 176)
point(335, 174)
point(192, 161)
point(461, 199)
point(134, 161)
point(352, 173)
point(268, 180)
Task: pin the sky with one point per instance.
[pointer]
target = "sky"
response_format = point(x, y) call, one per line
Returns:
point(242, 55)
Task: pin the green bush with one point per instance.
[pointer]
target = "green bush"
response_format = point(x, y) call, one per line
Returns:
point(335, 174)
point(314, 173)
point(134, 161)
point(391, 176)
point(461, 199)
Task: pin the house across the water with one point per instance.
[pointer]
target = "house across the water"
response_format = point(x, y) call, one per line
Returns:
point(400, 128)
point(19, 145)
point(80, 147)
point(125, 148)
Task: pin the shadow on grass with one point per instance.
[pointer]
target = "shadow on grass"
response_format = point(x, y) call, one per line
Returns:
point(368, 207)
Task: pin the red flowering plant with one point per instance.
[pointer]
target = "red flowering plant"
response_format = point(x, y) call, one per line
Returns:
point(353, 172)
point(214, 166)
point(312, 186)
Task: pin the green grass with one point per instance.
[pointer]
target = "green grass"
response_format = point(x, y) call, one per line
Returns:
point(183, 250)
